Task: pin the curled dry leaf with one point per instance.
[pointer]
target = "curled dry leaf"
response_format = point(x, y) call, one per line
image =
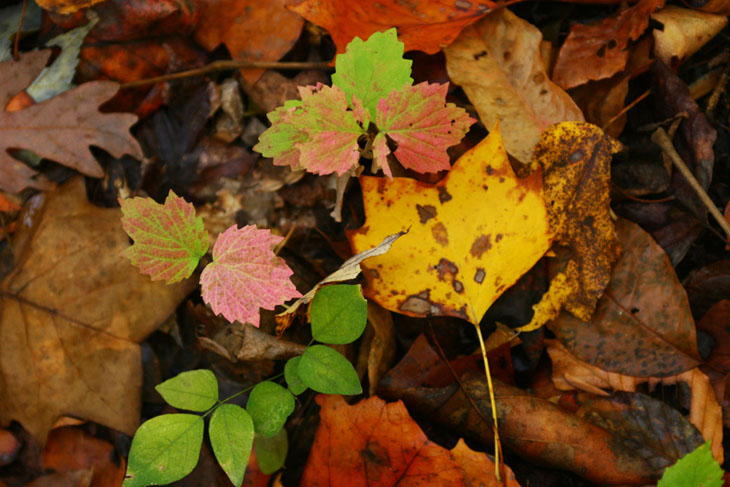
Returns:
point(250, 29)
point(598, 50)
point(456, 263)
point(423, 26)
point(497, 62)
point(73, 311)
point(685, 32)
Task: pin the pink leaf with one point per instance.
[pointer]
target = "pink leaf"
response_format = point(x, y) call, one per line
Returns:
point(169, 239)
point(246, 275)
point(423, 124)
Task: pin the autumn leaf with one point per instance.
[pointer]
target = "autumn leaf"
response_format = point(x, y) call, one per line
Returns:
point(67, 6)
point(374, 444)
point(169, 239)
point(457, 262)
point(246, 275)
point(73, 312)
point(598, 50)
point(498, 63)
point(423, 26)
point(250, 29)
point(684, 32)
point(62, 129)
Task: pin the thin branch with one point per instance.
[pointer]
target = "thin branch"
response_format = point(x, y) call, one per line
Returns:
point(660, 138)
point(20, 29)
point(626, 108)
point(226, 65)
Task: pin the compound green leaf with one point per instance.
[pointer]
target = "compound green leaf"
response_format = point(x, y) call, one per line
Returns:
point(164, 449)
point(269, 406)
point(231, 436)
point(339, 314)
point(291, 374)
point(195, 390)
point(271, 452)
point(696, 469)
point(326, 370)
point(370, 70)
point(169, 239)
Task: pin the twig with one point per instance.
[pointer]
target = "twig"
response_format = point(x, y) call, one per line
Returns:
point(626, 108)
point(637, 199)
point(715, 96)
point(660, 138)
point(20, 29)
point(225, 65)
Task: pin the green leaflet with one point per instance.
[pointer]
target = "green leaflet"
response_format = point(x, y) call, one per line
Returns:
point(326, 370)
point(231, 436)
point(339, 314)
point(195, 390)
point(696, 469)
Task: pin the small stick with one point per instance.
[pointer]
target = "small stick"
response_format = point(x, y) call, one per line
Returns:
point(719, 90)
point(225, 65)
point(660, 138)
point(20, 30)
point(627, 108)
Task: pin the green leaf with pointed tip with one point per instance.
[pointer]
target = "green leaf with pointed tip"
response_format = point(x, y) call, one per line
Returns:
point(271, 452)
point(371, 69)
point(195, 390)
point(696, 469)
point(339, 314)
point(269, 405)
point(291, 374)
point(326, 370)
point(231, 436)
point(169, 239)
point(164, 449)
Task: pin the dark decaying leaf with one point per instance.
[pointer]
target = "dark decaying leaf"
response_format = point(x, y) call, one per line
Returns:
point(642, 325)
point(707, 285)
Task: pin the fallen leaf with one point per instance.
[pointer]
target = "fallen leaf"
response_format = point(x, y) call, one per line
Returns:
point(378, 345)
point(576, 158)
point(457, 262)
point(497, 62)
point(685, 32)
point(598, 50)
point(251, 30)
point(375, 444)
point(77, 478)
point(642, 325)
point(533, 428)
point(721, 7)
point(69, 448)
point(246, 275)
point(706, 286)
point(73, 312)
point(17, 75)
point(423, 26)
point(62, 128)
point(67, 6)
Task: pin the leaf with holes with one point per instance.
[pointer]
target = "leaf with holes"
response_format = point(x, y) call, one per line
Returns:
point(169, 239)
point(246, 275)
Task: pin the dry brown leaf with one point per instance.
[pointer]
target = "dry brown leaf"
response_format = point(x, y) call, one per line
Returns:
point(497, 62)
point(61, 128)
point(598, 50)
point(685, 32)
point(721, 7)
point(569, 372)
point(66, 6)
point(73, 312)
point(377, 348)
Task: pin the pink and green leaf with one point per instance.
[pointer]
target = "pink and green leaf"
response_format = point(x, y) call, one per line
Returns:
point(169, 239)
point(423, 125)
point(278, 141)
point(246, 275)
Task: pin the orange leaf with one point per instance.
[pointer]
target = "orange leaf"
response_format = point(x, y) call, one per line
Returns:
point(66, 6)
point(423, 26)
point(453, 262)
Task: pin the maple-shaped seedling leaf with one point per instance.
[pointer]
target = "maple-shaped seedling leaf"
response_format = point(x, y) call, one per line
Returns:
point(246, 275)
point(423, 124)
point(318, 134)
point(169, 239)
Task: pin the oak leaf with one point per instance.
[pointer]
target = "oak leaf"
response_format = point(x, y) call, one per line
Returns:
point(73, 312)
point(62, 129)
point(453, 262)
point(246, 275)
point(498, 63)
point(169, 239)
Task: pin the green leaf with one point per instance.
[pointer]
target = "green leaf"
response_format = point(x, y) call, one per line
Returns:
point(339, 314)
point(278, 142)
point(326, 370)
point(291, 374)
point(195, 390)
point(164, 449)
point(269, 406)
point(371, 69)
point(271, 452)
point(169, 239)
point(231, 435)
point(696, 469)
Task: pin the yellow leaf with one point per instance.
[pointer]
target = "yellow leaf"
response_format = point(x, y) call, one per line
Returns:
point(470, 236)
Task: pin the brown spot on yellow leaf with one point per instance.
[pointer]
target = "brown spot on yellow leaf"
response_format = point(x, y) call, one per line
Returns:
point(480, 245)
point(479, 275)
point(440, 234)
point(426, 212)
point(444, 195)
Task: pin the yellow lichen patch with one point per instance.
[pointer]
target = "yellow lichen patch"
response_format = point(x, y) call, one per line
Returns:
point(470, 236)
